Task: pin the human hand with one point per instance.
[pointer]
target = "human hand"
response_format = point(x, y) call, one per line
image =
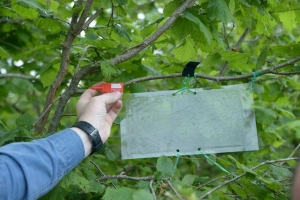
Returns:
point(100, 111)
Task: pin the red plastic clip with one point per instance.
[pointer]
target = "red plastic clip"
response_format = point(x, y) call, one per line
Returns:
point(109, 87)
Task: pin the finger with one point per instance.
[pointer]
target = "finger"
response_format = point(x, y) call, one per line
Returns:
point(109, 98)
point(87, 95)
point(114, 111)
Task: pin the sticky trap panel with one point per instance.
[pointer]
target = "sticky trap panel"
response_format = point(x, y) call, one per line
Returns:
point(218, 120)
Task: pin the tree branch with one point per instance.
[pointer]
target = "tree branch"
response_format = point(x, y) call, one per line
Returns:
point(73, 31)
point(214, 78)
point(138, 48)
point(82, 20)
point(93, 17)
point(174, 190)
point(243, 174)
point(212, 180)
point(121, 58)
point(151, 189)
point(70, 91)
point(237, 45)
point(101, 172)
point(19, 76)
point(118, 177)
point(203, 76)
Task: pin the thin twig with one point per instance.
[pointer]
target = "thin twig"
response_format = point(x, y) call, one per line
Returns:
point(118, 177)
point(21, 76)
point(112, 13)
point(82, 56)
point(286, 73)
point(174, 190)
point(101, 172)
point(213, 180)
point(46, 111)
point(138, 48)
point(237, 45)
point(243, 174)
point(151, 189)
point(96, 14)
point(294, 151)
point(11, 45)
point(224, 35)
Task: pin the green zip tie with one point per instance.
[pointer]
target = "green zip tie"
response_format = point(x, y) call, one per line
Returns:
point(254, 76)
point(215, 163)
point(184, 87)
point(176, 162)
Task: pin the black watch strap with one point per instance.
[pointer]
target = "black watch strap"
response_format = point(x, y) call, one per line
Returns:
point(92, 132)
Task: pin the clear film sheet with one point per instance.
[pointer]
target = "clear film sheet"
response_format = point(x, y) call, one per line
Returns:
point(215, 121)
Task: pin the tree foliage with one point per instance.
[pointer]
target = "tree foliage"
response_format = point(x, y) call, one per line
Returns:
point(50, 50)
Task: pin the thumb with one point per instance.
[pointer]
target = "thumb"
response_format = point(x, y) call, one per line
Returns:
point(110, 98)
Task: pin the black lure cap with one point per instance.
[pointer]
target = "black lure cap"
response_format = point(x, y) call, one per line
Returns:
point(189, 69)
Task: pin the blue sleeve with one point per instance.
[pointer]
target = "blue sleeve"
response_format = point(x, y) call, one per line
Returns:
point(29, 170)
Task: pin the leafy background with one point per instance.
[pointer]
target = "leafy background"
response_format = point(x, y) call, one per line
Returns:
point(51, 50)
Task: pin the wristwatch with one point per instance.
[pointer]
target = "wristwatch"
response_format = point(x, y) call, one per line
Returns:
point(92, 132)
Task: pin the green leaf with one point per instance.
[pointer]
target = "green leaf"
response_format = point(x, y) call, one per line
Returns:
point(185, 52)
point(50, 25)
point(121, 193)
point(239, 191)
point(8, 12)
point(56, 193)
point(232, 6)
point(8, 136)
point(292, 163)
point(165, 165)
point(232, 56)
point(48, 76)
point(290, 50)
point(188, 179)
point(142, 194)
point(171, 7)
point(264, 115)
point(122, 2)
point(218, 10)
point(271, 183)
point(90, 35)
point(36, 6)
point(201, 26)
point(280, 172)
point(73, 178)
point(25, 120)
point(3, 53)
point(288, 19)
point(286, 113)
point(109, 154)
point(27, 13)
point(108, 69)
point(262, 57)
point(121, 32)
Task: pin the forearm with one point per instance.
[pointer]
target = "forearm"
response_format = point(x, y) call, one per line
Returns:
point(30, 170)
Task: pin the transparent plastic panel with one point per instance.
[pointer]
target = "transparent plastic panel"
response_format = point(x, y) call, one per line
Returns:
point(218, 120)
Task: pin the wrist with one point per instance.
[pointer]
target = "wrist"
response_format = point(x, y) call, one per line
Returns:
point(86, 140)
point(92, 133)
